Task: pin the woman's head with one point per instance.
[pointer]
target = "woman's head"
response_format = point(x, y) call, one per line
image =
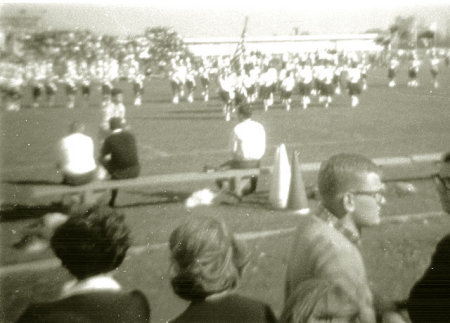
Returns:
point(206, 258)
point(318, 300)
point(92, 242)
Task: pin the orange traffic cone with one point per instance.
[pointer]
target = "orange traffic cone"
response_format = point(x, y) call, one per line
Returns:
point(298, 201)
point(281, 177)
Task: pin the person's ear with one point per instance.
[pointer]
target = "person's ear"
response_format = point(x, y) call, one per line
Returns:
point(348, 202)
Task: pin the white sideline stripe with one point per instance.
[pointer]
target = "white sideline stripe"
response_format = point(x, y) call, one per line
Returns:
point(159, 153)
point(426, 157)
point(251, 235)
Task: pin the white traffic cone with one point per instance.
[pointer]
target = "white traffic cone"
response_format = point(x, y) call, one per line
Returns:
point(281, 177)
point(297, 201)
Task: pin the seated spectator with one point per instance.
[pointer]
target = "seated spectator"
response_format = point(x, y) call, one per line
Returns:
point(76, 156)
point(119, 154)
point(91, 246)
point(319, 300)
point(429, 299)
point(207, 264)
point(248, 147)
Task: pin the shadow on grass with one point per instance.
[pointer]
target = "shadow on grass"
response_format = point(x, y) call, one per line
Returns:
point(189, 117)
point(31, 182)
point(14, 212)
point(156, 198)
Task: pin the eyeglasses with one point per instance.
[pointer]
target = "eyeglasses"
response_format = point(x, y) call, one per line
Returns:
point(377, 195)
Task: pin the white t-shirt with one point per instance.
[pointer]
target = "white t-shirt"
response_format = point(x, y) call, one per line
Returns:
point(76, 154)
point(249, 140)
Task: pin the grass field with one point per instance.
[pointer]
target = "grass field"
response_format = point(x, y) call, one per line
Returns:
point(185, 137)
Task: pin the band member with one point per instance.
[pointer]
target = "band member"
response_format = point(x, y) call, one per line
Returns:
point(287, 85)
point(138, 88)
point(204, 80)
point(413, 71)
point(392, 70)
point(305, 80)
point(190, 85)
point(354, 83)
point(226, 92)
point(434, 69)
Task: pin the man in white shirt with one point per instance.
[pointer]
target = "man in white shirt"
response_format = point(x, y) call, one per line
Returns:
point(248, 147)
point(76, 159)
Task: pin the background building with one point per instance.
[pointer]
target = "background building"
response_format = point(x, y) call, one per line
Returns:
point(283, 44)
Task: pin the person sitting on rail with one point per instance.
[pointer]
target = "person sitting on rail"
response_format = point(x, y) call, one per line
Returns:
point(248, 147)
point(76, 160)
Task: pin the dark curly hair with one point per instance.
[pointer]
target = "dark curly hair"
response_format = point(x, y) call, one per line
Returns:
point(206, 258)
point(92, 242)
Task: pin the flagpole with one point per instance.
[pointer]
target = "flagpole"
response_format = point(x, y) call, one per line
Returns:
point(240, 48)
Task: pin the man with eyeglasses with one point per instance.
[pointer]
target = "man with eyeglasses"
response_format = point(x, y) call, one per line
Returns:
point(326, 243)
point(429, 299)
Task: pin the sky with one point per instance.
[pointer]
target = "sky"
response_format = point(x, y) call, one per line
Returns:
point(225, 18)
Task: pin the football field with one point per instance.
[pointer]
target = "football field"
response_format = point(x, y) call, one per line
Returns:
point(180, 138)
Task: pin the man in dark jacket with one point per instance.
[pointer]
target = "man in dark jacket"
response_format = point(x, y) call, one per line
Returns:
point(429, 299)
point(119, 154)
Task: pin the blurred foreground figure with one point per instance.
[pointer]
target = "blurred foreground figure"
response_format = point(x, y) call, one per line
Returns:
point(318, 300)
point(207, 265)
point(91, 245)
point(326, 243)
point(429, 299)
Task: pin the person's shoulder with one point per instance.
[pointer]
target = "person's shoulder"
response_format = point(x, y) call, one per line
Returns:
point(253, 309)
point(245, 301)
point(320, 234)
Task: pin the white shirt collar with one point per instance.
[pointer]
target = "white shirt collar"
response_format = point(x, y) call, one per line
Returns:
point(96, 283)
point(117, 130)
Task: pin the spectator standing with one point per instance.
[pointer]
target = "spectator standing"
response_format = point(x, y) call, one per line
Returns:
point(326, 242)
point(429, 298)
point(207, 265)
point(91, 246)
point(119, 154)
point(76, 159)
point(318, 300)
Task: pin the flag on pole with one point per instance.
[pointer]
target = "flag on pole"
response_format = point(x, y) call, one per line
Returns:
point(237, 62)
